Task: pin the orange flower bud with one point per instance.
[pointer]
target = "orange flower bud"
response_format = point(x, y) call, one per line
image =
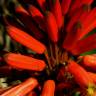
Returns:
point(24, 62)
point(22, 89)
point(80, 74)
point(51, 25)
point(77, 17)
point(49, 88)
point(93, 76)
point(79, 3)
point(25, 18)
point(25, 39)
point(37, 16)
point(56, 10)
point(20, 9)
point(89, 61)
point(84, 45)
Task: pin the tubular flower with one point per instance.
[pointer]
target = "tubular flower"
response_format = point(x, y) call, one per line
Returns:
point(77, 71)
point(89, 61)
point(49, 88)
point(15, 33)
point(37, 16)
point(57, 13)
point(24, 62)
point(52, 28)
point(47, 39)
point(22, 88)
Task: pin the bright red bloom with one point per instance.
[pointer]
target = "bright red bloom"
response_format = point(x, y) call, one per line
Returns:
point(62, 28)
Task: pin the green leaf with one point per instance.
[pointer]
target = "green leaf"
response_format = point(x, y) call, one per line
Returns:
point(89, 52)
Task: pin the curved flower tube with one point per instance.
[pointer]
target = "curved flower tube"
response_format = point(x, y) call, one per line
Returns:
point(24, 62)
point(22, 89)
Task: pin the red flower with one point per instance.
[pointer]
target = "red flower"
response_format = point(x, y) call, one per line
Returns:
point(61, 27)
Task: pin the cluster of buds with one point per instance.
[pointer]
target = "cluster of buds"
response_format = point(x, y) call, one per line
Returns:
point(54, 34)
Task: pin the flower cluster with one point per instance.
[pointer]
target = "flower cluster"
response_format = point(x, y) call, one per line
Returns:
point(54, 33)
